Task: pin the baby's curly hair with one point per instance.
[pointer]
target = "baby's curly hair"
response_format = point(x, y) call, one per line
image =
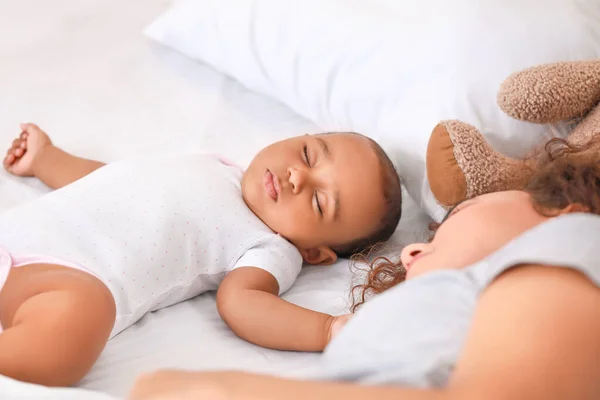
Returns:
point(392, 195)
point(564, 174)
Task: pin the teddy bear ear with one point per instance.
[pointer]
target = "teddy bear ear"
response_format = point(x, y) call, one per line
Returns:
point(446, 179)
point(552, 92)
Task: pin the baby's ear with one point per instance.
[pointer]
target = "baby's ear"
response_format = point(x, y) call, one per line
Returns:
point(322, 255)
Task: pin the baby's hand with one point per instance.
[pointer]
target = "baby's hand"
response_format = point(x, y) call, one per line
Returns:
point(25, 149)
point(336, 326)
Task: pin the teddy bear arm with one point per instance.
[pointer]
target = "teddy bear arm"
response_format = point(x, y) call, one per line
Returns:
point(551, 93)
point(462, 165)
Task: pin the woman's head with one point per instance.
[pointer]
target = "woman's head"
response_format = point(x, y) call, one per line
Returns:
point(566, 179)
point(330, 194)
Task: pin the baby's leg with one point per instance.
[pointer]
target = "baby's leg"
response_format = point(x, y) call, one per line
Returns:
point(33, 154)
point(57, 320)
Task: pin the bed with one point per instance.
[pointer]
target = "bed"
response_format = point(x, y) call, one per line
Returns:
point(84, 72)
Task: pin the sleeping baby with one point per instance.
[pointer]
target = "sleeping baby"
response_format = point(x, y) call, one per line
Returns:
point(116, 241)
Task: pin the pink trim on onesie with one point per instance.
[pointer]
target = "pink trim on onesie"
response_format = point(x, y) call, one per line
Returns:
point(227, 161)
point(8, 261)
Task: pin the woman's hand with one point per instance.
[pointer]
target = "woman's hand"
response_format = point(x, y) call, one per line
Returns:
point(183, 385)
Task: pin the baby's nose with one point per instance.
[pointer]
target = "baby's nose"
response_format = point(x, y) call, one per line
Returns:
point(297, 179)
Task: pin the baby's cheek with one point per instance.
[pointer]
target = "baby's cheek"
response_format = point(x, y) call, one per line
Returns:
point(302, 234)
point(298, 229)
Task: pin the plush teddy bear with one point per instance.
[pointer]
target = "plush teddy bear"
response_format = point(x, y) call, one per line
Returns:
point(461, 164)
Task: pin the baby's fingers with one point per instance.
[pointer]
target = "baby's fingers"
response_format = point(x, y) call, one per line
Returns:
point(28, 128)
point(19, 144)
point(9, 159)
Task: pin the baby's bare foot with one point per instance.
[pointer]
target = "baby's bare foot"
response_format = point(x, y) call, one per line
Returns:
point(25, 149)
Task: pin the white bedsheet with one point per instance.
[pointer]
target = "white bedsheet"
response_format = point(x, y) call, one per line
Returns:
point(82, 70)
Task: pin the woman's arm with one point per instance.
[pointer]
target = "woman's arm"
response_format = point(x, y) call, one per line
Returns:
point(535, 335)
point(248, 302)
point(183, 385)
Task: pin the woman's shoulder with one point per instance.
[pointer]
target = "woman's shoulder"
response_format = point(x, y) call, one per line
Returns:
point(569, 241)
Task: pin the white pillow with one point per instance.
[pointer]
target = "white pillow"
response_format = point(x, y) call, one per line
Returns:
point(387, 68)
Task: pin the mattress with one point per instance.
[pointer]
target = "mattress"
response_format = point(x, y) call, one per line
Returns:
point(84, 72)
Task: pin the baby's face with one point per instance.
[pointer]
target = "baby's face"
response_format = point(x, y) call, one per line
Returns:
point(317, 190)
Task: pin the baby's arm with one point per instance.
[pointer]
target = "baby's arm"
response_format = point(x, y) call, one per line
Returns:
point(33, 154)
point(248, 302)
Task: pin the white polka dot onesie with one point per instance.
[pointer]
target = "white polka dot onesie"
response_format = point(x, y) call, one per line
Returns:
point(156, 231)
